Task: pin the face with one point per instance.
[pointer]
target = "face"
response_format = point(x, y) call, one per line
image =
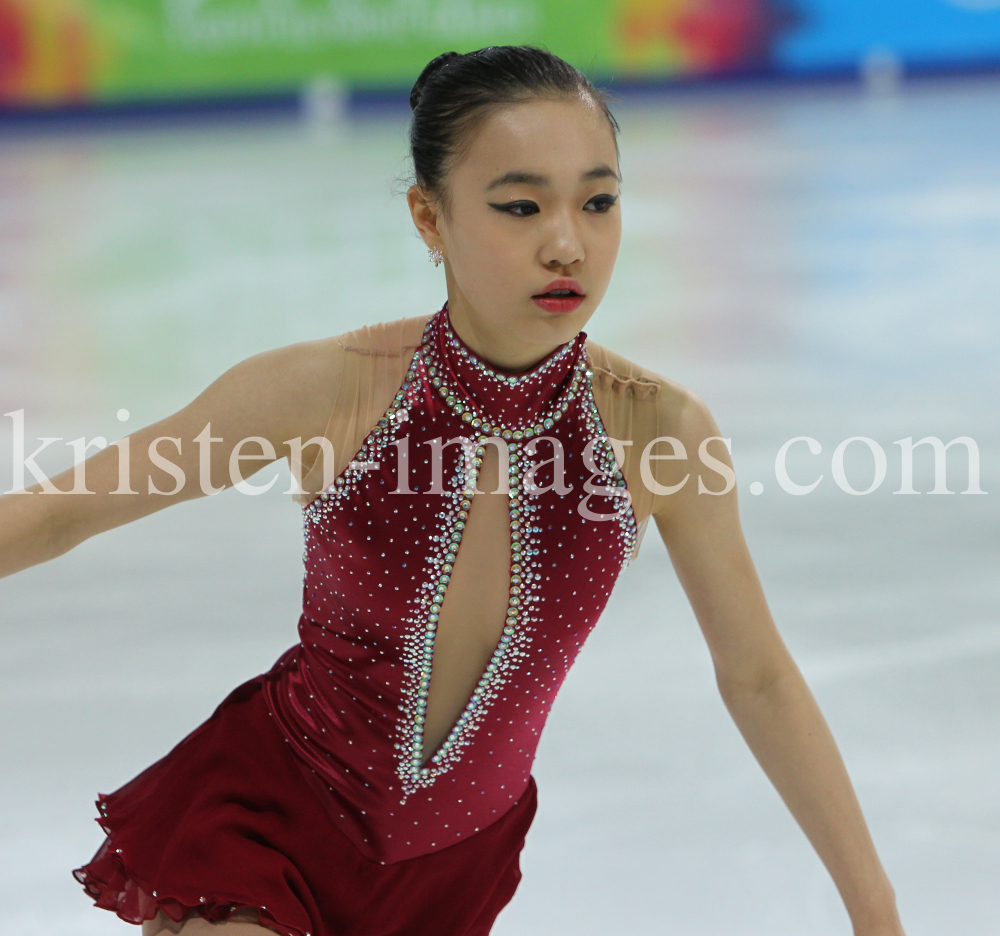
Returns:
point(530, 229)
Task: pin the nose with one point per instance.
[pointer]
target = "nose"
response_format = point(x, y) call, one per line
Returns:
point(563, 246)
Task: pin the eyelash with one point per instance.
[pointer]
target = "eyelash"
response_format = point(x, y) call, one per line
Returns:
point(515, 208)
point(601, 203)
point(604, 201)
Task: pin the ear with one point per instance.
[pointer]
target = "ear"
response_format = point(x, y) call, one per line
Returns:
point(425, 212)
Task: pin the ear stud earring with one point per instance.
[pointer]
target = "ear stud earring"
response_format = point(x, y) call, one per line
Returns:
point(436, 256)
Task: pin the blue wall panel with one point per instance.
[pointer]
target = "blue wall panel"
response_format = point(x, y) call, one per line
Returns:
point(837, 33)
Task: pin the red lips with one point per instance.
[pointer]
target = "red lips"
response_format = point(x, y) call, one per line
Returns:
point(560, 296)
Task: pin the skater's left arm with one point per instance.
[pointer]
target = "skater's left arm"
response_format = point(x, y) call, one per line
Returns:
point(758, 679)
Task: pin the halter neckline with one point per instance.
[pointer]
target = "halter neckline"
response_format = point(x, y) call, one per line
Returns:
point(480, 393)
point(501, 375)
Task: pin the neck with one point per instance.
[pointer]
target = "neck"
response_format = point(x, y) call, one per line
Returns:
point(502, 348)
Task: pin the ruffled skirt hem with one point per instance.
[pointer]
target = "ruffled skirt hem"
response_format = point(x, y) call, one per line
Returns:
point(113, 887)
point(226, 822)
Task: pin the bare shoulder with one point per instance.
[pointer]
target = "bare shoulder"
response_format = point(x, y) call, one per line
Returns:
point(660, 405)
point(386, 339)
point(289, 389)
point(311, 367)
point(296, 387)
point(672, 447)
point(685, 414)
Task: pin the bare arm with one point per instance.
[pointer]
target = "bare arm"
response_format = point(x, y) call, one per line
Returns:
point(760, 683)
point(275, 397)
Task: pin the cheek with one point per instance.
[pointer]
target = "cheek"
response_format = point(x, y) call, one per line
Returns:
point(486, 254)
point(604, 245)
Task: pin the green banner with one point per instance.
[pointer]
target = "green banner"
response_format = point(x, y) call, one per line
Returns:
point(58, 51)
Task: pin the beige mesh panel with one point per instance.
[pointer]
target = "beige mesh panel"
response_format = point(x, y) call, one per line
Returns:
point(631, 401)
point(371, 363)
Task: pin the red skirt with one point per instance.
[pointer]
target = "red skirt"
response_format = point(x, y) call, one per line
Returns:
point(227, 821)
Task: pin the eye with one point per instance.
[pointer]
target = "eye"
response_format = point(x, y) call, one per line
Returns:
point(600, 203)
point(519, 209)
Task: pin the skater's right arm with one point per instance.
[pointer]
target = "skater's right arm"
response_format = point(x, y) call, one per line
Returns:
point(274, 397)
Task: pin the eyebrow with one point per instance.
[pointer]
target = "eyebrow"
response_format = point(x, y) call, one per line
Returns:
point(604, 171)
point(517, 177)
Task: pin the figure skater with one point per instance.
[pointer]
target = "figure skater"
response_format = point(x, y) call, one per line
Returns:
point(473, 483)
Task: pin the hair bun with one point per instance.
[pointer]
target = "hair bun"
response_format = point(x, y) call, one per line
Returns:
point(430, 70)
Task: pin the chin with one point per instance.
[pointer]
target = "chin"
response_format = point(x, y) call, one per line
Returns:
point(566, 324)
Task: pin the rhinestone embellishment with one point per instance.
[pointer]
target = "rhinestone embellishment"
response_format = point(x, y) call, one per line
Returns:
point(513, 642)
point(510, 380)
point(417, 767)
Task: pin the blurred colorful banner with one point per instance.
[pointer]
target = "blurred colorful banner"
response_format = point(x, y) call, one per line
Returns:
point(78, 51)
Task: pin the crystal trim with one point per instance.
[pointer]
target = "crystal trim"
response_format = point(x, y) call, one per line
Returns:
point(510, 380)
point(425, 369)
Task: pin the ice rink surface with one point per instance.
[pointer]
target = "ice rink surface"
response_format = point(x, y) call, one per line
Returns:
point(810, 261)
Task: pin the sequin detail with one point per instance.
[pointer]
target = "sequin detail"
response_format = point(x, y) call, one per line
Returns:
point(382, 434)
point(510, 649)
point(512, 646)
point(416, 767)
point(607, 465)
point(510, 380)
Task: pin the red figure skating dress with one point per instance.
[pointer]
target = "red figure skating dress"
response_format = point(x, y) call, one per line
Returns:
point(310, 794)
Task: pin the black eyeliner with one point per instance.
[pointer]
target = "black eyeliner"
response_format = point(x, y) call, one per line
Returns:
point(511, 207)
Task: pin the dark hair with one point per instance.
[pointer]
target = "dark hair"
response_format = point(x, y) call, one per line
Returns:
point(456, 91)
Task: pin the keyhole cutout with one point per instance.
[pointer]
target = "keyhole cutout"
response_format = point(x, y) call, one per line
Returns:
point(474, 611)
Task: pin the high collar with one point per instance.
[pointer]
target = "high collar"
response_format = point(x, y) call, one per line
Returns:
point(503, 396)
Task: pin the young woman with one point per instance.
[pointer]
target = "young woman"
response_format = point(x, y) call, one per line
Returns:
point(483, 475)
